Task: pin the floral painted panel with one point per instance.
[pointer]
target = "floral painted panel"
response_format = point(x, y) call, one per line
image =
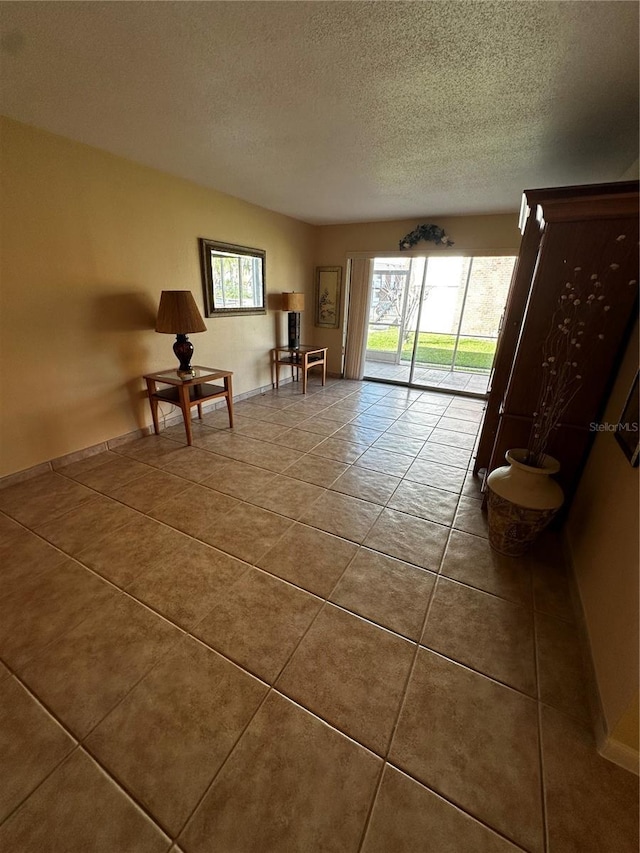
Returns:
point(328, 290)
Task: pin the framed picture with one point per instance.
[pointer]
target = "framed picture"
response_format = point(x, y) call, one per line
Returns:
point(626, 432)
point(328, 289)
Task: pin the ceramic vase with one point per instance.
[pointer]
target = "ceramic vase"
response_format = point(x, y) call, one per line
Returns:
point(522, 500)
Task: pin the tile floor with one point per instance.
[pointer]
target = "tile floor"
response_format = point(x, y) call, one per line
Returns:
point(292, 636)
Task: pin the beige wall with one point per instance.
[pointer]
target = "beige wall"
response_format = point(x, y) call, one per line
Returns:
point(471, 235)
point(627, 730)
point(89, 240)
point(603, 531)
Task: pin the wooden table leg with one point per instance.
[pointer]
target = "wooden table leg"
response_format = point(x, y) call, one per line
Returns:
point(324, 367)
point(199, 411)
point(151, 390)
point(305, 367)
point(183, 392)
point(229, 389)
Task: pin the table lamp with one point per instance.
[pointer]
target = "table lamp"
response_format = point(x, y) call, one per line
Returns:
point(178, 315)
point(294, 304)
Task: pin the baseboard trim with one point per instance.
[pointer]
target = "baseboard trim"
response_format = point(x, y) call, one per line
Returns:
point(111, 443)
point(621, 754)
point(26, 474)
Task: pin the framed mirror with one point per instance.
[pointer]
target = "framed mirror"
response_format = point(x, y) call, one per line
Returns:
point(233, 278)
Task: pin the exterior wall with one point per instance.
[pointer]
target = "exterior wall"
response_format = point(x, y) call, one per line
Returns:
point(490, 280)
point(89, 240)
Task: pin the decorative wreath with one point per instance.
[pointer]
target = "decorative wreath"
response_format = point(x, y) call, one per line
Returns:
point(432, 233)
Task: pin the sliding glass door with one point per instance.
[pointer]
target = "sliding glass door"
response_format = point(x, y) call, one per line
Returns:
point(434, 322)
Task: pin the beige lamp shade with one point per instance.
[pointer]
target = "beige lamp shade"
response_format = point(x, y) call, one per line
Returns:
point(293, 301)
point(178, 313)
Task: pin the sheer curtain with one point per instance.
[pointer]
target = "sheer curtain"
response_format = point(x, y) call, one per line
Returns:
point(358, 319)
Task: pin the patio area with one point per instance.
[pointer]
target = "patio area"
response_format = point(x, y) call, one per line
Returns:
point(432, 377)
point(442, 313)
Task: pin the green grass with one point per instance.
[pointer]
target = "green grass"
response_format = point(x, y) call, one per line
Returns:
point(473, 353)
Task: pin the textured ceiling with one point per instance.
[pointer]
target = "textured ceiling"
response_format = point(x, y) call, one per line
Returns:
point(338, 111)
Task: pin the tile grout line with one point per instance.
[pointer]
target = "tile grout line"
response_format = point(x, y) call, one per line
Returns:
point(274, 688)
point(271, 689)
point(187, 632)
point(386, 758)
point(211, 783)
point(121, 589)
point(373, 398)
point(311, 450)
point(543, 787)
point(75, 742)
point(458, 806)
point(143, 514)
point(270, 686)
point(79, 744)
point(68, 629)
point(402, 702)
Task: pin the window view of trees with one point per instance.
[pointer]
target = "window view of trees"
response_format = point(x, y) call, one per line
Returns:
point(396, 294)
point(233, 278)
point(452, 303)
point(237, 280)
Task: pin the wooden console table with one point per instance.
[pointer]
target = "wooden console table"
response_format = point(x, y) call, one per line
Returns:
point(303, 358)
point(185, 393)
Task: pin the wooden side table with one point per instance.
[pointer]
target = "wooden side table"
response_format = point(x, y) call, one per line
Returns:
point(303, 358)
point(186, 393)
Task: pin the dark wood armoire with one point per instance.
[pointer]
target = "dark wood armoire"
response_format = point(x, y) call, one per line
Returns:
point(592, 230)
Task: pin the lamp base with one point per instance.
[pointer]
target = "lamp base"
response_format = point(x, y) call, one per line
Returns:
point(294, 329)
point(183, 349)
